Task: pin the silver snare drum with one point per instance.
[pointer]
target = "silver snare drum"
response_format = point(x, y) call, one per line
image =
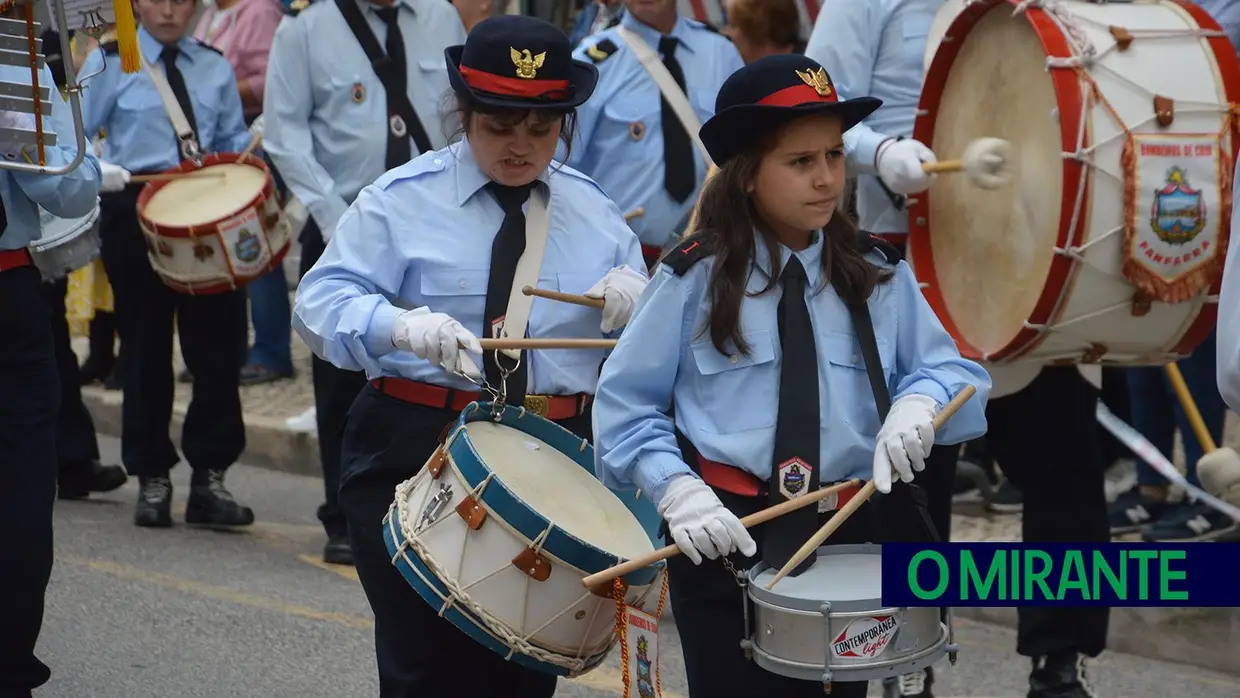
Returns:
point(829, 623)
point(67, 244)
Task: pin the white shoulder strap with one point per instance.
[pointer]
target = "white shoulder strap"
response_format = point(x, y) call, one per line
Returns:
point(667, 85)
point(537, 225)
point(189, 145)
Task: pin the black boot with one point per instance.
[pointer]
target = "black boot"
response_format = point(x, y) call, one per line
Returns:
point(154, 509)
point(211, 504)
point(1060, 676)
point(79, 482)
point(338, 551)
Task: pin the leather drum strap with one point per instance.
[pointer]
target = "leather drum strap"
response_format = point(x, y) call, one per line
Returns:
point(537, 224)
point(190, 148)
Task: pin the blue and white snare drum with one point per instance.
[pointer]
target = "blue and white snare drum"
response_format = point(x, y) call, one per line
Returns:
point(501, 526)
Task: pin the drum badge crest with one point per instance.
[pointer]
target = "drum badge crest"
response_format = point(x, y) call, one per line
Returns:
point(248, 247)
point(637, 130)
point(397, 125)
point(645, 684)
point(359, 92)
point(1179, 211)
point(794, 477)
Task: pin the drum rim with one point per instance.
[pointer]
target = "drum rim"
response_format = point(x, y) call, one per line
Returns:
point(265, 193)
point(81, 225)
point(861, 671)
point(779, 602)
point(430, 588)
point(517, 515)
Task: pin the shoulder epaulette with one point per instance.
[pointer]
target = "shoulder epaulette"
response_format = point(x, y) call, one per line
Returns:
point(710, 28)
point(690, 251)
point(601, 51)
point(424, 164)
point(295, 7)
point(110, 48)
point(869, 242)
point(207, 46)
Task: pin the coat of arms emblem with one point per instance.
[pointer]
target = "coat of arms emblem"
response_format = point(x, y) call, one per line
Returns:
point(248, 247)
point(1179, 212)
point(645, 684)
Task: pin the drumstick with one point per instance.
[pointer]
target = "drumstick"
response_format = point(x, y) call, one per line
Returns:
point(639, 211)
point(563, 297)
point(176, 175)
point(986, 161)
point(861, 497)
point(249, 149)
point(549, 343)
point(758, 517)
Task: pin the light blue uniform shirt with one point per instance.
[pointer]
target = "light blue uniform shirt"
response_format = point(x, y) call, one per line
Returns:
point(875, 48)
point(727, 405)
point(619, 139)
point(421, 236)
point(67, 196)
point(140, 137)
point(325, 119)
point(1227, 14)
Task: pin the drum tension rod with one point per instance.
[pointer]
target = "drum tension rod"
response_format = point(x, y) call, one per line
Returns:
point(1123, 37)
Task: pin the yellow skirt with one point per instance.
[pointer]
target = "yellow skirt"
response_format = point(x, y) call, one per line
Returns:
point(89, 293)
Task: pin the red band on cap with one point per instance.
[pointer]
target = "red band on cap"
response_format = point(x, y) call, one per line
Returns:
point(515, 87)
point(797, 95)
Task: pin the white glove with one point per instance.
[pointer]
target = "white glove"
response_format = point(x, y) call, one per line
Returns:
point(12, 149)
point(699, 522)
point(619, 288)
point(115, 177)
point(439, 339)
point(256, 128)
point(899, 166)
point(904, 441)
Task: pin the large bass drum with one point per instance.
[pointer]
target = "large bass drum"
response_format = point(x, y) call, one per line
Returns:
point(1108, 246)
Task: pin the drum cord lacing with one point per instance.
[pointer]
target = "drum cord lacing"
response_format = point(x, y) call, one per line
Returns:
point(1081, 64)
point(459, 595)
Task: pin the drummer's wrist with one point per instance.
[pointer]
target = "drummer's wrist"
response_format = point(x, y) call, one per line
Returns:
point(656, 472)
point(378, 336)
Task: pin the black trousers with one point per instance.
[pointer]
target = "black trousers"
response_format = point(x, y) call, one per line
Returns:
point(214, 435)
point(335, 389)
point(76, 443)
point(708, 605)
point(1045, 439)
point(387, 441)
point(29, 401)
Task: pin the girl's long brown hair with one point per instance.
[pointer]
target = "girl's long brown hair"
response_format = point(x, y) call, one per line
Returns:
point(727, 221)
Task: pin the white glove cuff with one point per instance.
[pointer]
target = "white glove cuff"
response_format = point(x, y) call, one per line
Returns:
point(402, 321)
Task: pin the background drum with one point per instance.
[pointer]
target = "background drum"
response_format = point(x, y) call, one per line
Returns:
point(501, 526)
point(214, 229)
point(66, 245)
point(1066, 264)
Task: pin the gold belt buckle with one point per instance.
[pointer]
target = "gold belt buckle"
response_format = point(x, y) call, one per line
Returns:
point(538, 404)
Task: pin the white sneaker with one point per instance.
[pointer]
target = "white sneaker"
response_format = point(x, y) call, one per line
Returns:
point(302, 422)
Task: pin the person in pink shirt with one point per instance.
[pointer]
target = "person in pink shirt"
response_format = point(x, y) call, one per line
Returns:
point(243, 31)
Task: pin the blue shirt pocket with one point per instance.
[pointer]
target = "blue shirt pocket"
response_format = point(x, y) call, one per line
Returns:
point(849, 383)
point(735, 392)
point(460, 293)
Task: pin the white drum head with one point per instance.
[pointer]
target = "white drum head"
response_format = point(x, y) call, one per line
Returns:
point(993, 250)
point(197, 200)
point(837, 577)
point(56, 228)
point(559, 489)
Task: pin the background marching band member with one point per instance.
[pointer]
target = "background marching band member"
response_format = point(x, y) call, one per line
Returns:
point(744, 334)
point(879, 47)
point(629, 137)
point(424, 237)
point(760, 28)
point(141, 139)
point(332, 125)
point(29, 387)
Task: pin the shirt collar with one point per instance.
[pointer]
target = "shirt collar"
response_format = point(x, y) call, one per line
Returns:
point(811, 257)
point(680, 31)
point(152, 48)
point(470, 178)
point(399, 4)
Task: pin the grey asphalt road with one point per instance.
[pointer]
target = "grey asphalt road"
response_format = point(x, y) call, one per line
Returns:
point(185, 613)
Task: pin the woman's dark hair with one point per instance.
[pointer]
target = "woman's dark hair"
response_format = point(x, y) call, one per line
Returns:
point(462, 108)
point(727, 220)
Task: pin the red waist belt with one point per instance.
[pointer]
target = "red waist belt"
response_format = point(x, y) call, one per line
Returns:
point(551, 407)
point(737, 481)
point(14, 259)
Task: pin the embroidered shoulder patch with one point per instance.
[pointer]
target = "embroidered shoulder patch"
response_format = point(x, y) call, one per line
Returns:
point(689, 252)
point(601, 51)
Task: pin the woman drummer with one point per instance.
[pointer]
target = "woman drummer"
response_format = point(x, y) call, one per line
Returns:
point(441, 236)
point(745, 333)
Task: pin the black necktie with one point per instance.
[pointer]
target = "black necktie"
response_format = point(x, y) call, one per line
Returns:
point(795, 467)
point(506, 251)
point(678, 167)
point(177, 82)
point(399, 151)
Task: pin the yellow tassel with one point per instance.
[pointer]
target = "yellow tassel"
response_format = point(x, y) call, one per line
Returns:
point(127, 37)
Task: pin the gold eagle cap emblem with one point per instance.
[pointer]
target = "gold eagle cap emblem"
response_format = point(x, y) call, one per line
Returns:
point(818, 80)
point(527, 65)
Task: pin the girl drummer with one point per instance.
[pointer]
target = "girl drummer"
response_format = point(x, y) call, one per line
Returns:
point(745, 333)
point(442, 235)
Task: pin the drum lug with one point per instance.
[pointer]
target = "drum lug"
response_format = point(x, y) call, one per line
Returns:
point(952, 648)
point(827, 675)
point(607, 591)
point(472, 511)
point(533, 564)
point(1141, 303)
point(437, 462)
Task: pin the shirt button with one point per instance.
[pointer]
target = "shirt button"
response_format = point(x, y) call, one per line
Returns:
point(854, 357)
point(734, 358)
point(437, 161)
point(465, 284)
